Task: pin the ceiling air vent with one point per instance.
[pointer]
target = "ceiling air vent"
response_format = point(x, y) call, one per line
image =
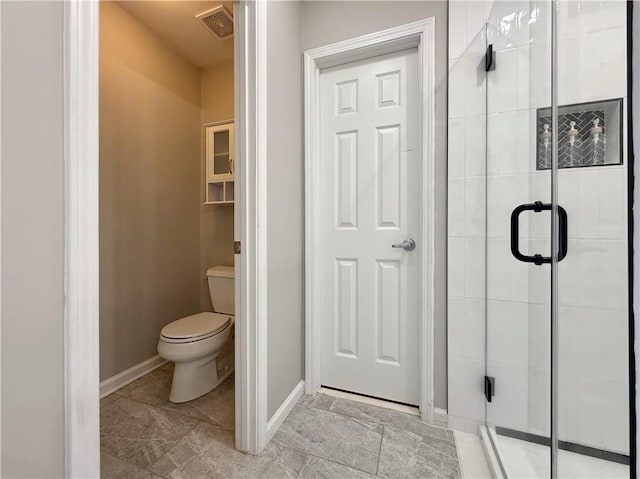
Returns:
point(219, 21)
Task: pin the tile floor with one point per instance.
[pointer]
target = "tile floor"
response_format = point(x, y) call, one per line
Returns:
point(144, 436)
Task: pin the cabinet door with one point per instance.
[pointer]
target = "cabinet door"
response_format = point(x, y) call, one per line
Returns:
point(220, 152)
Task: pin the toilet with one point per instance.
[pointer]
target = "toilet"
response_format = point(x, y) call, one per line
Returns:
point(201, 345)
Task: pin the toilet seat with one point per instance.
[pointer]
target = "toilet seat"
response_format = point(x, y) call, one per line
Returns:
point(195, 327)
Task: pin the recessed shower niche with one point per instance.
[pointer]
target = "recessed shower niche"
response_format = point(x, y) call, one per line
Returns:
point(589, 134)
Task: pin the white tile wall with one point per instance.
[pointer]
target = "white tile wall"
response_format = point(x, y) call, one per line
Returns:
point(612, 275)
point(455, 268)
point(501, 150)
point(587, 214)
point(474, 268)
point(540, 75)
point(592, 283)
point(457, 28)
point(509, 24)
point(466, 325)
point(457, 82)
point(474, 146)
point(474, 207)
point(465, 386)
point(508, 279)
point(507, 332)
point(613, 56)
point(613, 221)
point(504, 193)
point(474, 28)
point(473, 68)
point(523, 100)
point(502, 85)
point(509, 407)
point(457, 141)
point(568, 197)
point(616, 419)
point(456, 207)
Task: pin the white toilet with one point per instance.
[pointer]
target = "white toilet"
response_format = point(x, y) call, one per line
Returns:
point(201, 345)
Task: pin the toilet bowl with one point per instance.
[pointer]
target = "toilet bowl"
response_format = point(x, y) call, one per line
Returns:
point(201, 345)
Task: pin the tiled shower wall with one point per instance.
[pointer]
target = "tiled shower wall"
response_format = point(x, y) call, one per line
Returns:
point(487, 179)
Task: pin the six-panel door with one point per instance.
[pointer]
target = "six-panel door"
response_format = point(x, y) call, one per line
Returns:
point(371, 199)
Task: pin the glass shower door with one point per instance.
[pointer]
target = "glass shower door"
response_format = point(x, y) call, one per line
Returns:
point(518, 236)
point(592, 281)
point(557, 325)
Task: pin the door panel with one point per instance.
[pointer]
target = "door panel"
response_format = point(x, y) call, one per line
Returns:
point(371, 199)
point(388, 296)
point(347, 307)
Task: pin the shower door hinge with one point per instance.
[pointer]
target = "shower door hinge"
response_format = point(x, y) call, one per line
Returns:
point(490, 59)
point(489, 387)
point(237, 247)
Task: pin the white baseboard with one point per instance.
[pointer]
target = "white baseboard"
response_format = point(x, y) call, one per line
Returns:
point(283, 411)
point(464, 424)
point(120, 380)
point(440, 417)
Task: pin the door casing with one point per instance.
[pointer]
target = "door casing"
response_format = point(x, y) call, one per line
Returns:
point(81, 317)
point(420, 34)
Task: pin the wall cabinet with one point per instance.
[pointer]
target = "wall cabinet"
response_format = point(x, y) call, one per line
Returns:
point(219, 154)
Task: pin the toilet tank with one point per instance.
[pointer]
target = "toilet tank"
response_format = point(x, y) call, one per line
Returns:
point(222, 289)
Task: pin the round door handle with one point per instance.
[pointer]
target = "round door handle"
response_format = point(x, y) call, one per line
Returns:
point(407, 245)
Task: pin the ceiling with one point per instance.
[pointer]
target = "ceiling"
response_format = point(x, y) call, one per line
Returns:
point(176, 22)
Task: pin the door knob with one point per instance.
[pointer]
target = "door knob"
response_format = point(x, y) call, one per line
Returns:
point(408, 245)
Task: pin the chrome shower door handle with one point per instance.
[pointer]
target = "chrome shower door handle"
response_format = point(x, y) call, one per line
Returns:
point(408, 245)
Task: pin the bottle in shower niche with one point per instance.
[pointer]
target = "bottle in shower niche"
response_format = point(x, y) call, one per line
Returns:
point(574, 146)
point(597, 146)
point(545, 148)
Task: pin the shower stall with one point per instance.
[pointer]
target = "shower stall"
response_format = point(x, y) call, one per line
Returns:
point(538, 242)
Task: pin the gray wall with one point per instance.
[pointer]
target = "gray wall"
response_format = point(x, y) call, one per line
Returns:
point(329, 22)
point(285, 203)
point(216, 221)
point(149, 189)
point(32, 240)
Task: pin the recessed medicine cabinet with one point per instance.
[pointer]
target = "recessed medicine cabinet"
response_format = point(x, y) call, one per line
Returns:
point(219, 154)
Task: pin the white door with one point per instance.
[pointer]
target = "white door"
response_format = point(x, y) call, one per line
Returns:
point(370, 195)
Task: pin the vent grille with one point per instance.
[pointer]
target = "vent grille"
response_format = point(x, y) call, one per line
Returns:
point(219, 21)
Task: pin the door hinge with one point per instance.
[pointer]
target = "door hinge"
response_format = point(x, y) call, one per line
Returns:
point(490, 59)
point(489, 387)
point(237, 247)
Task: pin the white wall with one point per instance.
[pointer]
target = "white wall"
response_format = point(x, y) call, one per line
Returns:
point(325, 22)
point(285, 203)
point(32, 240)
point(592, 278)
point(216, 221)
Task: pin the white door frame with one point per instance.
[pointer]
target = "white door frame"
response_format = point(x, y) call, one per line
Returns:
point(81, 318)
point(420, 34)
point(250, 223)
point(81, 281)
